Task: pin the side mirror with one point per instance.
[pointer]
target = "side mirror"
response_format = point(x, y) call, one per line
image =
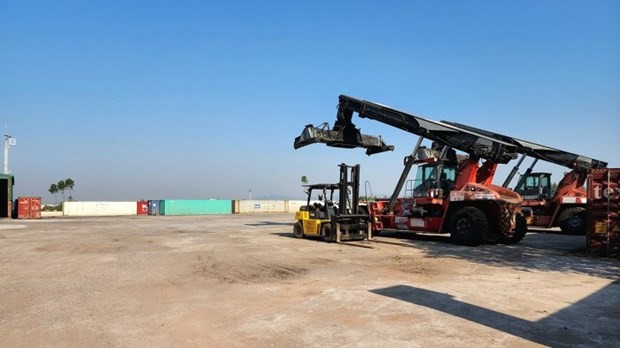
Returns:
point(320, 197)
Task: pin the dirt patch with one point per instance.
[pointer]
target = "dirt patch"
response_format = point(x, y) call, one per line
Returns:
point(237, 281)
point(250, 271)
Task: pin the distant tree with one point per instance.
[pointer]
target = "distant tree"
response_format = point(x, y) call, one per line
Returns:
point(554, 186)
point(69, 184)
point(54, 190)
point(62, 187)
point(304, 179)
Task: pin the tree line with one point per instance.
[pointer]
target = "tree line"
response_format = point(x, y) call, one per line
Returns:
point(61, 187)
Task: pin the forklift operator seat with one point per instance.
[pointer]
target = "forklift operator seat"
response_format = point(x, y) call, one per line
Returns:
point(331, 208)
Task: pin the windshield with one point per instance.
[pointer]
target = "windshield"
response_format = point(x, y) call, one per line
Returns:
point(432, 176)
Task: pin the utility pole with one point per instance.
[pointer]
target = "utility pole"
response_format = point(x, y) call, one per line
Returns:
point(8, 142)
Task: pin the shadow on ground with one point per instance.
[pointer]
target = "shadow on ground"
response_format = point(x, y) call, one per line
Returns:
point(271, 223)
point(537, 251)
point(593, 321)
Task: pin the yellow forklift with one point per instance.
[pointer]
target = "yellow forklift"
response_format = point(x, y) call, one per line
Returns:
point(332, 211)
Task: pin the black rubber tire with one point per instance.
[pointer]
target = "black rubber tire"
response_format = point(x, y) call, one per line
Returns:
point(573, 221)
point(298, 230)
point(520, 231)
point(328, 233)
point(468, 226)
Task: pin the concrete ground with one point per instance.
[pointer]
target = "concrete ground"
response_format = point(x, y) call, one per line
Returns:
point(242, 280)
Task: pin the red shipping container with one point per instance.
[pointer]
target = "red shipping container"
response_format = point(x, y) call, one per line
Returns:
point(604, 211)
point(29, 207)
point(143, 207)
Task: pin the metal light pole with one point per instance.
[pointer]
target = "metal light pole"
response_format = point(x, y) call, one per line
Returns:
point(8, 142)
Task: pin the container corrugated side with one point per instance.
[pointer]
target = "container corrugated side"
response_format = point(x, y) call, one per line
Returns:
point(98, 208)
point(603, 214)
point(196, 207)
point(22, 204)
point(261, 206)
point(35, 207)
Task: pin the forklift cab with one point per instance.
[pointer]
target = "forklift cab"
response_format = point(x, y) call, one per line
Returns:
point(433, 180)
point(320, 202)
point(534, 186)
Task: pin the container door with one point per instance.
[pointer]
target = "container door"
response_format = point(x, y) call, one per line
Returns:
point(23, 208)
point(143, 207)
point(35, 207)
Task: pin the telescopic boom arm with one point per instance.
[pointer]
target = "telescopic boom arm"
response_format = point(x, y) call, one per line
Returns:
point(470, 142)
point(541, 152)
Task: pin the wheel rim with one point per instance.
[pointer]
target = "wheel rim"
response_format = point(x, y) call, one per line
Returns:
point(574, 221)
point(463, 226)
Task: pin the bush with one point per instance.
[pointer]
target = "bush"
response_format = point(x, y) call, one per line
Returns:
point(51, 207)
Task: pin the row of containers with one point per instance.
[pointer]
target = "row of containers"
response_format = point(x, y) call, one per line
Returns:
point(184, 207)
point(30, 207)
point(180, 207)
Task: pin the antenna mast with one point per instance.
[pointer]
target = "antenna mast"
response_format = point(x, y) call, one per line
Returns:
point(8, 142)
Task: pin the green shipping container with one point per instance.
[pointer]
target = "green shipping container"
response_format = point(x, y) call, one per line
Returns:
point(196, 207)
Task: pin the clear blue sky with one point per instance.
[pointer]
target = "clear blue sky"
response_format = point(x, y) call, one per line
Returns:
point(199, 99)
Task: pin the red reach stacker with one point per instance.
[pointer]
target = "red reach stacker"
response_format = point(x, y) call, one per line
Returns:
point(564, 208)
point(452, 193)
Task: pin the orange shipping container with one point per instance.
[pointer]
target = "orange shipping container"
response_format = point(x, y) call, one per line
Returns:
point(28, 207)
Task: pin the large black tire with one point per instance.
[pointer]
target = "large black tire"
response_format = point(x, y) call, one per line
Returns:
point(519, 233)
point(468, 226)
point(573, 221)
point(328, 233)
point(298, 230)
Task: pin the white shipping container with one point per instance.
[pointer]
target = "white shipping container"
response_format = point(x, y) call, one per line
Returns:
point(254, 206)
point(99, 208)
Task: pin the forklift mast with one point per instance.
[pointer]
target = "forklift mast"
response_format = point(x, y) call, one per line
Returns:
point(349, 189)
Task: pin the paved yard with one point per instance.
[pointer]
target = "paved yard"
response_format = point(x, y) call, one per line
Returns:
point(242, 280)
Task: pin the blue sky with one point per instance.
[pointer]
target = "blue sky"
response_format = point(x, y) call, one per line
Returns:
point(199, 99)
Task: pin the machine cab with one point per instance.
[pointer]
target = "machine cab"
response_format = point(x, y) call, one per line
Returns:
point(433, 180)
point(320, 201)
point(534, 186)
